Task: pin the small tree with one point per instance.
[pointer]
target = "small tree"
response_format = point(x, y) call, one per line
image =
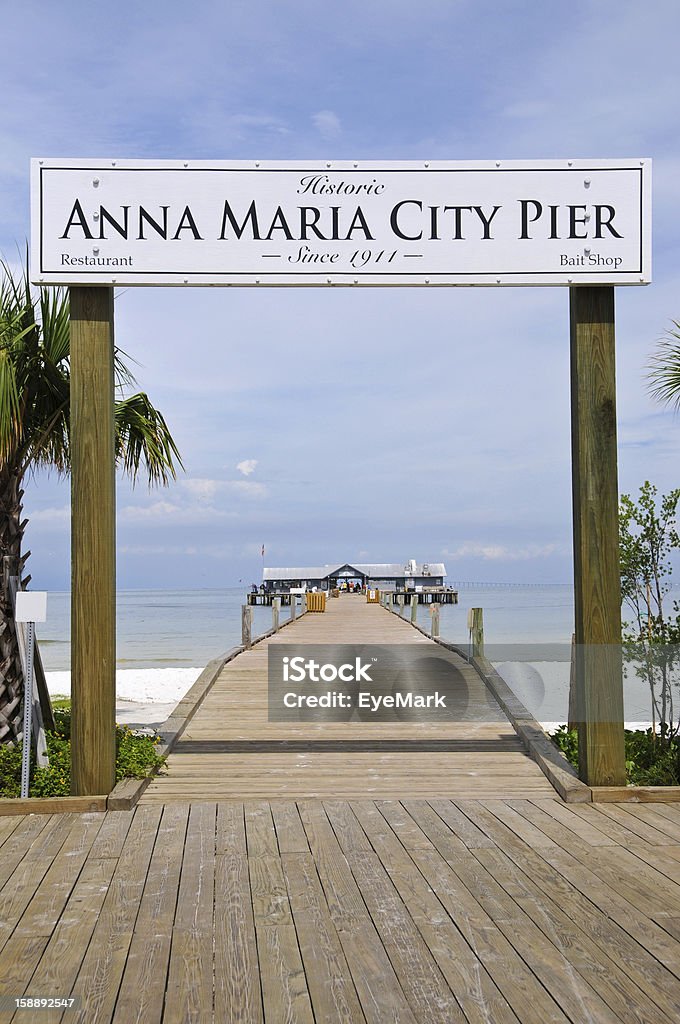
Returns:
point(648, 536)
point(35, 434)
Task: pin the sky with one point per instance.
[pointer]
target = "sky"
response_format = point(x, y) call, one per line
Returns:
point(370, 425)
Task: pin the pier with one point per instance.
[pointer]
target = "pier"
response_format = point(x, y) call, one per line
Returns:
point(346, 873)
point(230, 750)
point(430, 595)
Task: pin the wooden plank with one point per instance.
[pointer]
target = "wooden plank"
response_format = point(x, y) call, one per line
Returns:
point(635, 794)
point(142, 989)
point(284, 987)
point(57, 968)
point(102, 967)
point(460, 825)
point(597, 584)
point(238, 999)
point(621, 869)
point(29, 872)
point(93, 543)
point(290, 834)
point(378, 988)
point(478, 996)
point(8, 825)
point(32, 933)
point(126, 794)
point(20, 841)
point(110, 839)
point(594, 814)
point(230, 836)
point(585, 830)
point(545, 953)
point(53, 892)
point(189, 988)
point(331, 990)
point(420, 977)
point(584, 954)
point(514, 978)
point(260, 831)
point(636, 824)
point(543, 865)
point(52, 805)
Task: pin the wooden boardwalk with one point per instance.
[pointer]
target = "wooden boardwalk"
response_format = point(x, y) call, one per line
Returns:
point(362, 912)
point(231, 751)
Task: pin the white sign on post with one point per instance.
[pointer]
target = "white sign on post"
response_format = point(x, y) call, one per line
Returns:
point(126, 222)
point(31, 606)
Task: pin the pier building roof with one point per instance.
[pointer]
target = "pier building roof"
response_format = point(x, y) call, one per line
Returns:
point(372, 570)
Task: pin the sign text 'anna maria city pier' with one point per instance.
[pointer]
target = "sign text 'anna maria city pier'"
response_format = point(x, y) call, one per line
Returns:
point(345, 223)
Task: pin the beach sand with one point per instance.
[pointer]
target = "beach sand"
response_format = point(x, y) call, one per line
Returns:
point(145, 698)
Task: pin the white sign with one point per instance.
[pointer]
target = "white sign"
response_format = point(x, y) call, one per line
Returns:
point(31, 606)
point(130, 222)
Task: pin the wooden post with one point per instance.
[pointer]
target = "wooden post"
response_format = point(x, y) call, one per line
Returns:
point(414, 609)
point(93, 544)
point(477, 632)
point(435, 609)
point(400, 603)
point(597, 584)
point(276, 607)
point(293, 607)
point(246, 626)
point(572, 717)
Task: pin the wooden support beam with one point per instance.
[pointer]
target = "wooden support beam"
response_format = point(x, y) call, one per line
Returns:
point(477, 632)
point(93, 544)
point(597, 584)
point(246, 626)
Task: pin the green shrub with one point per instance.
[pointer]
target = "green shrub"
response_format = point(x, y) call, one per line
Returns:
point(650, 760)
point(136, 757)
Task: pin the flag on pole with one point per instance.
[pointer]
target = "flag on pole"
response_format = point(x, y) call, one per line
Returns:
point(263, 550)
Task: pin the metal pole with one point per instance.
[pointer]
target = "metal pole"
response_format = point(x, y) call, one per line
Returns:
point(28, 709)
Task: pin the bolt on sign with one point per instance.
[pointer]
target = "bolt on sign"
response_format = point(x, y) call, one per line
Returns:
point(139, 222)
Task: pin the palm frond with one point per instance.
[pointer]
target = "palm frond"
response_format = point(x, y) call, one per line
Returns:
point(143, 440)
point(664, 368)
point(35, 390)
point(10, 407)
point(54, 318)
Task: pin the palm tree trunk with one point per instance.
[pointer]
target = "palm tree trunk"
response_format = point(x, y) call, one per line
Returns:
point(11, 675)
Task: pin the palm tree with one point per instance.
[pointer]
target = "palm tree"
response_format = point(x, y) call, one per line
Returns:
point(34, 435)
point(664, 370)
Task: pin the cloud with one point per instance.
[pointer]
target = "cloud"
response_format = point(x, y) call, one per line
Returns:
point(172, 513)
point(247, 466)
point(243, 125)
point(501, 552)
point(327, 124)
point(51, 518)
point(202, 489)
point(248, 488)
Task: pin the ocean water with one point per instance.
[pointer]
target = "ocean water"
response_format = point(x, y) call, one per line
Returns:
point(165, 638)
point(187, 628)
